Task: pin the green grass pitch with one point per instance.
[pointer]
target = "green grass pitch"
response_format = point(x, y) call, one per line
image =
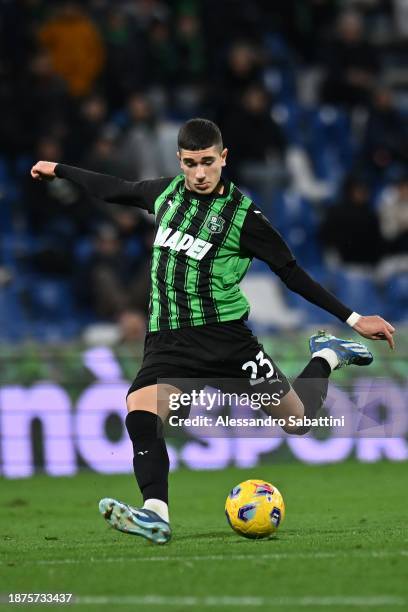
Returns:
point(343, 545)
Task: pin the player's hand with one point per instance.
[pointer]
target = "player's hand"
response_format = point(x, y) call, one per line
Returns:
point(43, 170)
point(375, 328)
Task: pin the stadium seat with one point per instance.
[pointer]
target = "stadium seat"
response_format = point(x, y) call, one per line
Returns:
point(396, 297)
point(295, 218)
point(268, 309)
point(8, 195)
point(358, 290)
point(289, 118)
point(329, 143)
point(279, 75)
point(311, 314)
point(15, 247)
point(13, 323)
point(133, 248)
point(50, 299)
point(83, 249)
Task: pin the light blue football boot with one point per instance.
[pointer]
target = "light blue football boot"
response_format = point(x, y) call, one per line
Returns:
point(135, 521)
point(348, 351)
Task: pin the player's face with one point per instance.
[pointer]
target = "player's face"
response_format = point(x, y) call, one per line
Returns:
point(202, 169)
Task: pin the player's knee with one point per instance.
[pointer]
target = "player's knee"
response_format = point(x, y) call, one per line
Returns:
point(133, 402)
point(154, 398)
point(143, 399)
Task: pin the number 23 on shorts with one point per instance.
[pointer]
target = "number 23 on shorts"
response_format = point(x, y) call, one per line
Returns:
point(260, 360)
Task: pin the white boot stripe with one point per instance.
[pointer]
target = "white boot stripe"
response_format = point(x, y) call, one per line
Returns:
point(354, 347)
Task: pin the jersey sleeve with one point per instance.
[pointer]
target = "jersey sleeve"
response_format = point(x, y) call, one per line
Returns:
point(141, 194)
point(259, 239)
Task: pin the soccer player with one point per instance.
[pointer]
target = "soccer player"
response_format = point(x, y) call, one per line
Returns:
point(207, 233)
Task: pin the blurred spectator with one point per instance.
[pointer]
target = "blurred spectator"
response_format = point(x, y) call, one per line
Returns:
point(132, 326)
point(13, 140)
point(6, 275)
point(18, 21)
point(54, 207)
point(304, 24)
point(55, 215)
point(109, 281)
point(140, 148)
point(86, 126)
point(103, 278)
point(132, 224)
point(242, 69)
point(393, 213)
point(191, 65)
point(190, 48)
point(46, 109)
point(351, 64)
point(75, 46)
point(386, 134)
point(127, 64)
point(144, 12)
point(351, 229)
point(161, 55)
point(401, 17)
point(303, 178)
point(104, 156)
point(256, 143)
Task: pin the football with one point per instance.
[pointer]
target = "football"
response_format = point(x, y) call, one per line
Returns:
point(255, 509)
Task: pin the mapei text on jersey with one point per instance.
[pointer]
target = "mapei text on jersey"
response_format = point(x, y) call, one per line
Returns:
point(175, 240)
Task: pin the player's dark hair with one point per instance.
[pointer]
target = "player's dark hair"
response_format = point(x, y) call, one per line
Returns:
point(198, 134)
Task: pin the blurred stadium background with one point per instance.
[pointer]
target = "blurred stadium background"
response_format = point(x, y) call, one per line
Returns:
point(312, 100)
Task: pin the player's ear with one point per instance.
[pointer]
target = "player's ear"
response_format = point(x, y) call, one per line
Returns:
point(224, 153)
point(179, 157)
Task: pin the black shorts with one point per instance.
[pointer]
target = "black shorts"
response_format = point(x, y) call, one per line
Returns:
point(210, 352)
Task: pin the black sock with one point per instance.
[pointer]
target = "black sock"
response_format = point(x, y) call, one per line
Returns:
point(150, 458)
point(311, 386)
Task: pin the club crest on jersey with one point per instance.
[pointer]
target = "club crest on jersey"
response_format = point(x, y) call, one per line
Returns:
point(215, 224)
point(177, 241)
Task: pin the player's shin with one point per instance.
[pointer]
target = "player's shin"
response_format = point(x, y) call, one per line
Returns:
point(150, 459)
point(311, 386)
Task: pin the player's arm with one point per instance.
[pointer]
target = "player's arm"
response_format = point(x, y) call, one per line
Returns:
point(259, 239)
point(103, 186)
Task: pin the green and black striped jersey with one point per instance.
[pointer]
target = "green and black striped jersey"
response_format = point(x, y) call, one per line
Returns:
point(197, 260)
point(203, 247)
